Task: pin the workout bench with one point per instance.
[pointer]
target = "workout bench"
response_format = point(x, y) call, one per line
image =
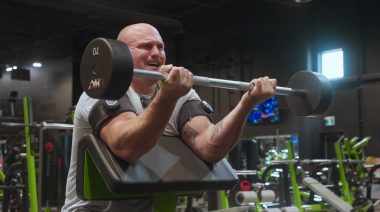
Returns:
point(169, 169)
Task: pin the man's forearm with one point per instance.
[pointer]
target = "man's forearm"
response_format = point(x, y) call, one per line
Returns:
point(131, 138)
point(222, 136)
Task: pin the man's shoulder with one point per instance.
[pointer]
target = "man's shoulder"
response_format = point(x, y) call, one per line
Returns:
point(84, 105)
point(192, 94)
point(85, 100)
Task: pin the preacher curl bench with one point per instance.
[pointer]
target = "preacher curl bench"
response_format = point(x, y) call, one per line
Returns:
point(168, 170)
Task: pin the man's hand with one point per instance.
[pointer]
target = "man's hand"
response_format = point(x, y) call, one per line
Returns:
point(263, 89)
point(178, 81)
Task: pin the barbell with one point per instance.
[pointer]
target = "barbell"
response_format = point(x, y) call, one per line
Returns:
point(313, 161)
point(106, 72)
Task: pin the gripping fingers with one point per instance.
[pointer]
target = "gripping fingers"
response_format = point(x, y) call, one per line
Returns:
point(187, 77)
point(165, 69)
point(273, 83)
point(178, 81)
point(265, 84)
point(174, 76)
point(263, 89)
point(258, 85)
point(181, 75)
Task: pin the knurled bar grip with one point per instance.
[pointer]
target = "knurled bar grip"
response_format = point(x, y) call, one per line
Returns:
point(218, 83)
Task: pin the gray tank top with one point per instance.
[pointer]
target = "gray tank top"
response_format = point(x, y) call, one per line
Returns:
point(82, 127)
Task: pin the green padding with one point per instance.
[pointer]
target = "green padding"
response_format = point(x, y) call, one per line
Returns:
point(164, 202)
point(94, 185)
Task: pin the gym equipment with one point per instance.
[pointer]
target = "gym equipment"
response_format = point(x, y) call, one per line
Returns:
point(244, 157)
point(289, 175)
point(246, 172)
point(370, 180)
point(310, 161)
point(246, 197)
point(280, 183)
point(267, 196)
point(353, 148)
point(327, 195)
point(14, 188)
point(17, 177)
point(290, 209)
point(243, 208)
point(170, 168)
point(43, 125)
point(53, 161)
point(106, 72)
point(54, 158)
point(293, 179)
point(327, 174)
point(353, 179)
point(31, 164)
point(346, 193)
point(53, 166)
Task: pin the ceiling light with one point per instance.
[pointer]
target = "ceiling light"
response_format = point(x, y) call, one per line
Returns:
point(8, 69)
point(37, 64)
point(302, 1)
point(14, 67)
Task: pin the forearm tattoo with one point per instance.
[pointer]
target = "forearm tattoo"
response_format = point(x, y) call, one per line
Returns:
point(189, 133)
point(216, 129)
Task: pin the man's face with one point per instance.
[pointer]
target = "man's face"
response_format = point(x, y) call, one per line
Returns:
point(147, 48)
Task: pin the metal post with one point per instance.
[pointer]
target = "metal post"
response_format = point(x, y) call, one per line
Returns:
point(293, 179)
point(33, 202)
point(342, 175)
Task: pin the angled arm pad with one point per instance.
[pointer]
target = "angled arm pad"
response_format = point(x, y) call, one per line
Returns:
point(169, 166)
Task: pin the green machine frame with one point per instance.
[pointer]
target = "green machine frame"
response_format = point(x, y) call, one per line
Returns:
point(32, 181)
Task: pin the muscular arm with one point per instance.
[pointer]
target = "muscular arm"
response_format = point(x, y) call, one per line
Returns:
point(129, 136)
point(212, 142)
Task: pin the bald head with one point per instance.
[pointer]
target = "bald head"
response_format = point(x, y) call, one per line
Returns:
point(147, 50)
point(137, 31)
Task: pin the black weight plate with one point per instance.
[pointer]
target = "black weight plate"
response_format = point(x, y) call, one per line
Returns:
point(318, 93)
point(106, 69)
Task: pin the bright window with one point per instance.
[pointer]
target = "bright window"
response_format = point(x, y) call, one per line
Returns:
point(331, 63)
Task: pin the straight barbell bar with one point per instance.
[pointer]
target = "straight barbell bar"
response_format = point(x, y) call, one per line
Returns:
point(106, 72)
point(313, 161)
point(216, 83)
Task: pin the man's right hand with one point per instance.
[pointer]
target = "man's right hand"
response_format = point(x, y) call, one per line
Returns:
point(177, 83)
point(264, 88)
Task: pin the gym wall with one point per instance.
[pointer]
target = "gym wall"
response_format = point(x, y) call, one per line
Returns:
point(279, 40)
point(50, 88)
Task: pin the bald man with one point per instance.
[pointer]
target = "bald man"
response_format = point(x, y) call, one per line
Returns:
point(167, 107)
